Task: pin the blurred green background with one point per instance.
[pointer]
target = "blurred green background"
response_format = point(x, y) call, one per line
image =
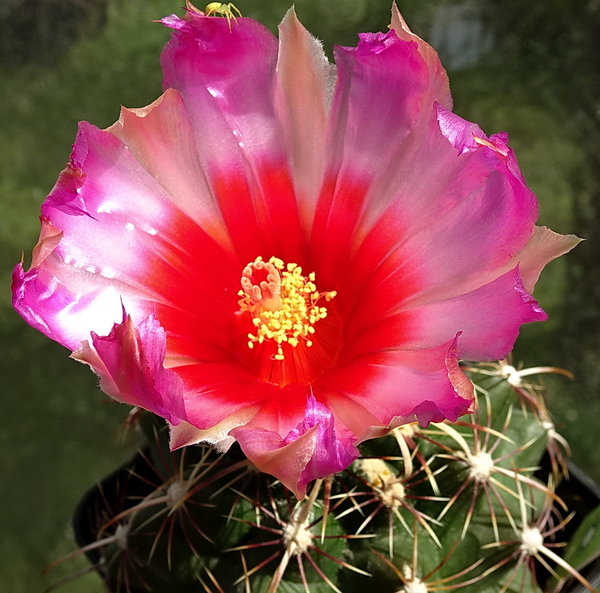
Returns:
point(531, 69)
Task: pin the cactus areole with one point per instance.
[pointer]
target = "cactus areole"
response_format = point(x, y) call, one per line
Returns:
point(288, 253)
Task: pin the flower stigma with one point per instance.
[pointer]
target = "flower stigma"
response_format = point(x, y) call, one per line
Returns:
point(283, 303)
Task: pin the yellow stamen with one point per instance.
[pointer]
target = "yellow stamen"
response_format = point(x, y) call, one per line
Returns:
point(282, 303)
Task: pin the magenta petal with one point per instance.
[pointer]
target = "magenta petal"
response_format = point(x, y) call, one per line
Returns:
point(314, 449)
point(161, 138)
point(395, 387)
point(438, 89)
point(386, 76)
point(331, 454)
point(460, 133)
point(267, 451)
point(227, 79)
point(31, 300)
point(65, 194)
point(489, 318)
point(59, 312)
point(369, 75)
point(130, 363)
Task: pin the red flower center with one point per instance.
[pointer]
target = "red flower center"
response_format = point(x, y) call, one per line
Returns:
point(284, 306)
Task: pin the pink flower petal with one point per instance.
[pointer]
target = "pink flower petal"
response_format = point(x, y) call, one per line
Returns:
point(332, 453)
point(403, 386)
point(422, 248)
point(439, 87)
point(227, 81)
point(218, 390)
point(161, 138)
point(226, 78)
point(383, 76)
point(313, 448)
point(267, 451)
point(489, 318)
point(459, 132)
point(61, 313)
point(184, 433)
point(129, 362)
point(305, 80)
point(543, 246)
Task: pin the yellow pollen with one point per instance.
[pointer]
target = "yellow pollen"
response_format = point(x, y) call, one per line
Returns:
point(282, 302)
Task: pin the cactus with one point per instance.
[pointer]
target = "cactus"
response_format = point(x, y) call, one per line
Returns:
point(443, 507)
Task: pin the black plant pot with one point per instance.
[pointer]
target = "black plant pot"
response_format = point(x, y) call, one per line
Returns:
point(115, 494)
point(581, 495)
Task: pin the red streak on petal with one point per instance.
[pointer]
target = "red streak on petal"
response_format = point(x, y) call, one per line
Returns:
point(234, 197)
point(281, 208)
point(283, 412)
point(193, 281)
point(336, 219)
point(186, 267)
point(387, 335)
point(215, 391)
point(260, 212)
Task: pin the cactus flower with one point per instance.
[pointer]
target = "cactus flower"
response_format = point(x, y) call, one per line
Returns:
point(286, 253)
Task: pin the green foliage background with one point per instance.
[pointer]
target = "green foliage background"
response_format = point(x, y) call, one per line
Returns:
point(539, 81)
